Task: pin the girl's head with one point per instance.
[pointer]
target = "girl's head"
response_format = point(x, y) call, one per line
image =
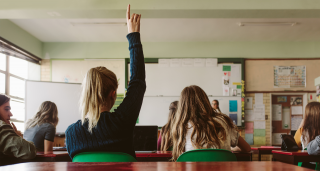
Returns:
point(99, 91)
point(215, 105)
point(166, 138)
point(194, 107)
point(48, 113)
point(5, 108)
point(311, 121)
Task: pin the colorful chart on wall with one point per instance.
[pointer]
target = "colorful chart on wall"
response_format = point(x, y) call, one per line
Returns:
point(289, 76)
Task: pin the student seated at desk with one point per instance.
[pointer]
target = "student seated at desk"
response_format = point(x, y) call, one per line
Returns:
point(165, 138)
point(102, 130)
point(197, 125)
point(41, 129)
point(11, 141)
point(310, 125)
point(215, 106)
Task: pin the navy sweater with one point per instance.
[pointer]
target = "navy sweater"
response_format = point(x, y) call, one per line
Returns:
point(114, 131)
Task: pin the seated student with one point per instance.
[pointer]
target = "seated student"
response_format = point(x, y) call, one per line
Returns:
point(215, 106)
point(41, 129)
point(165, 138)
point(102, 130)
point(310, 125)
point(313, 147)
point(11, 141)
point(197, 125)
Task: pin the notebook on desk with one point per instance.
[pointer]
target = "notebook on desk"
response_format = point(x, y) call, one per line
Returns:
point(145, 139)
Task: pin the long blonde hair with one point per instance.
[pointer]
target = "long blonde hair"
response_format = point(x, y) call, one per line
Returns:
point(194, 107)
point(311, 121)
point(166, 138)
point(97, 85)
point(48, 113)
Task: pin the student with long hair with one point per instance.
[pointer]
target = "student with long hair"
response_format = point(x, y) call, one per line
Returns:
point(41, 129)
point(198, 126)
point(165, 138)
point(310, 125)
point(102, 130)
point(309, 131)
point(11, 140)
point(215, 106)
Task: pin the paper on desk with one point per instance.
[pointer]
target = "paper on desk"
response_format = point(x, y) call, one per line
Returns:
point(295, 122)
point(259, 112)
point(249, 115)
point(277, 112)
point(258, 98)
point(259, 125)
point(164, 63)
point(296, 110)
point(249, 128)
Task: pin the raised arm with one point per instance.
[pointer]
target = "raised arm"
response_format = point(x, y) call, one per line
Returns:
point(131, 105)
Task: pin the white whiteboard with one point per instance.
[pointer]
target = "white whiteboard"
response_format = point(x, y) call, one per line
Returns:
point(172, 80)
point(65, 95)
point(155, 110)
point(164, 85)
point(73, 71)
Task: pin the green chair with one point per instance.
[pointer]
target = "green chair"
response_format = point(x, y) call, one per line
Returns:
point(103, 157)
point(207, 155)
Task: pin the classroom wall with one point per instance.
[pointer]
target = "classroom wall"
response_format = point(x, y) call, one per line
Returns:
point(73, 50)
point(259, 74)
point(20, 37)
point(46, 70)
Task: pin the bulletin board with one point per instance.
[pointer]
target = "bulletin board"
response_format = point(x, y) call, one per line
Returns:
point(259, 74)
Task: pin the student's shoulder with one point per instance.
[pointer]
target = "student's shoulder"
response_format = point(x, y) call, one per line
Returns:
point(73, 126)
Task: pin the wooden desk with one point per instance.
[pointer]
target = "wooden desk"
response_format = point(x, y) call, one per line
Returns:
point(55, 156)
point(167, 155)
point(155, 166)
point(264, 150)
point(294, 157)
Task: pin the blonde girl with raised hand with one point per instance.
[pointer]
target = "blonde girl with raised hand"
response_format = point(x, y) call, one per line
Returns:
point(198, 126)
point(11, 140)
point(41, 129)
point(102, 130)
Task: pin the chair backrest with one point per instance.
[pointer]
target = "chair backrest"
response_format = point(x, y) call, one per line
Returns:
point(103, 157)
point(207, 155)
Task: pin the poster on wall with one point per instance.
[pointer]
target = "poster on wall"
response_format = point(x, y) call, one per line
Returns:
point(296, 101)
point(289, 76)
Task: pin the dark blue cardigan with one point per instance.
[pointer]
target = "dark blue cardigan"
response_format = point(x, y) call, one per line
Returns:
point(114, 131)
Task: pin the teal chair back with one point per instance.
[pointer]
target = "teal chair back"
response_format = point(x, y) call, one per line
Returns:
point(207, 155)
point(103, 157)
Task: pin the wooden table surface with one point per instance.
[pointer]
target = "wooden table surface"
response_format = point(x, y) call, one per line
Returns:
point(264, 150)
point(154, 166)
point(294, 157)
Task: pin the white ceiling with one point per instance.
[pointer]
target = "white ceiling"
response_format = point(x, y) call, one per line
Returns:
point(172, 30)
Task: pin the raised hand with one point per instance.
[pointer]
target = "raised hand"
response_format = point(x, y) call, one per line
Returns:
point(133, 22)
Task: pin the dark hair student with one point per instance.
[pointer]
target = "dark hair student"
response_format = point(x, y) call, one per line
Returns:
point(12, 143)
point(102, 130)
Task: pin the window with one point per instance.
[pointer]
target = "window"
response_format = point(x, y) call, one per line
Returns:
point(13, 73)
